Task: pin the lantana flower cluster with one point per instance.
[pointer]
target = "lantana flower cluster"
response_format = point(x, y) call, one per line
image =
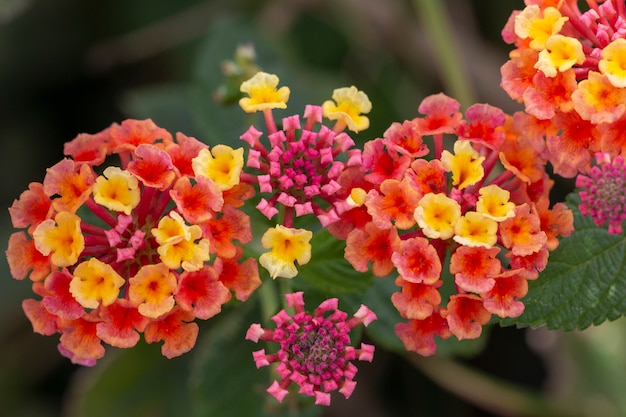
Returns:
point(569, 69)
point(463, 231)
point(134, 232)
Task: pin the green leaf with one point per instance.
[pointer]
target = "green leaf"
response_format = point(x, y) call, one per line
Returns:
point(328, 271)
point(584, 282)
point(137, 382)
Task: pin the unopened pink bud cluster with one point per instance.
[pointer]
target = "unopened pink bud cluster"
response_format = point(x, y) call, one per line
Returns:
point(315, 351)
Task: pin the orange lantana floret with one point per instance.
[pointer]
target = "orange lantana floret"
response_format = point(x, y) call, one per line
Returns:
point(201, 292)
point(522, 233)
point(466, 316)
point(394, 204)
point(374, 245)
point(416, 300)
point(175, 330)
point(122, 324)
point(71, 182)
point(417, 261)
point(152, 290)
point(597, 100)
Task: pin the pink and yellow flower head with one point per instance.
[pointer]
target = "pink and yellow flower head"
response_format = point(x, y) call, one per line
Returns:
point(156, 222)
point(300, 164)
point(314, 349)
point(287, 246)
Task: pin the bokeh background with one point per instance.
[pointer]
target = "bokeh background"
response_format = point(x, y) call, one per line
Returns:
point(71, 66)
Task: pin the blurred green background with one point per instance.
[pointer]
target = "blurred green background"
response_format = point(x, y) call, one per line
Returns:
point(71, 66)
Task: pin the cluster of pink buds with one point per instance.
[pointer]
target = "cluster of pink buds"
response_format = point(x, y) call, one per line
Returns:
point(299, 166)
point(314, 349)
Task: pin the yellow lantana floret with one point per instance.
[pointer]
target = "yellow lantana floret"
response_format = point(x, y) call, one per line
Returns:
point(437, 215)
point(222, 164)
point(177, 243)
point(152, 289)
point(62, 237)
point(95, 283)
point(347, 108)
point(474, 229)
point(561, 54)
point(532, 23)
point(263, 93)
point(287, 246)
point(171, 229)
point(494, 203)
point(117, 190)
point(613, 62)
point(466, 165)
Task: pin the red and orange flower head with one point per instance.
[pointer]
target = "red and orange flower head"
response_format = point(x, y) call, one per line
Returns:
point(567, 60)
point(135, 249)
point(314, 349)
point(489, 228)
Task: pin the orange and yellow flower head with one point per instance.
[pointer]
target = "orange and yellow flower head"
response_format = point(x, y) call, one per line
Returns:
point(479, 215)
point(117, 251)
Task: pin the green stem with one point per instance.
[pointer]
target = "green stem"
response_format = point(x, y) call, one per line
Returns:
point(269, 301)
point(490, 393)
point(286, 287)
point(438, 27)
